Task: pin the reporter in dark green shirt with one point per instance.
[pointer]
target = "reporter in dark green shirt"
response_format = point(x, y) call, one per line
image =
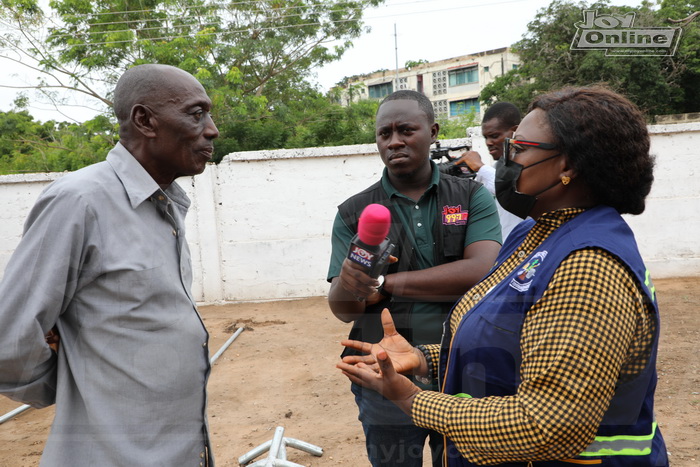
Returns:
point(417, 194)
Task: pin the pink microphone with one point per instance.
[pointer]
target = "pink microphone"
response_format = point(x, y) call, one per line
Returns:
point(370, 247)
point(374, 224)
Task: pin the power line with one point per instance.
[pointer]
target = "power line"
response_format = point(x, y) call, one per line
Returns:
point(214, 8)
point(226, 6)
point(321, 4)
point(199, 34)
point(182, 26)
point(210, 5)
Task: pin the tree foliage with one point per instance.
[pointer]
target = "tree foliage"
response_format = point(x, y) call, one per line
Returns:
point(456, 127)
point(253, 57)
point(658, 84)
point(28, 146)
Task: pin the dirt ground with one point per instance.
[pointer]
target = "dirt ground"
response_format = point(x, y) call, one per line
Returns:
point(280, 372)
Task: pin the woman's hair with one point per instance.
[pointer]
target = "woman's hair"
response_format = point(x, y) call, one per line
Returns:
point(605, 138)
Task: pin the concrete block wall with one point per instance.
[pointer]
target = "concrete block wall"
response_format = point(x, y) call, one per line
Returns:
point(17, 195)
point(277, 212)
point(667, 230)
point(260, 222)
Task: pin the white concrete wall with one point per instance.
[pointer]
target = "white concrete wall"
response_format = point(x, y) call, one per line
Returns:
point(666, 232)
point(260, 222)
point(17, 195)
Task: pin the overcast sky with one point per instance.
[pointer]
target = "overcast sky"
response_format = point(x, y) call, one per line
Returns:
point(425, 30)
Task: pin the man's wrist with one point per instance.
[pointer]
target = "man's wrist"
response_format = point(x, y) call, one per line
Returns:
point(381, 289)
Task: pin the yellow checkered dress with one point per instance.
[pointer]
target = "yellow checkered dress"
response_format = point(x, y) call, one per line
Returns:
point(590, 330)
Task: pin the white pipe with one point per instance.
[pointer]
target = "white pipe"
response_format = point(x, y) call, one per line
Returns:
point(225, 346)
point(17, 411)
point(21, 409)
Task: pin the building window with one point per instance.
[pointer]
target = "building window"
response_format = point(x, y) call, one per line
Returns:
point(516, 66)
point(439, 83)
point(403, 83)
point(464, 106)
point(378, 91)
point(486, 69)
point(464, 76)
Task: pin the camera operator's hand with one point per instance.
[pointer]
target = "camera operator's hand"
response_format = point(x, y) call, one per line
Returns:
point(471, 159)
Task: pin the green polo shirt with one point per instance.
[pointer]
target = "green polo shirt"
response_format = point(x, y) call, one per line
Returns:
point(418, 219)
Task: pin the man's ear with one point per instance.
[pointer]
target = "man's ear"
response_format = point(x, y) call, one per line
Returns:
point(143, 119)
point(434, 131)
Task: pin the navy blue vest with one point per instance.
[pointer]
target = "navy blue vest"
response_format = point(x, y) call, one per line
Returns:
point(485, 358)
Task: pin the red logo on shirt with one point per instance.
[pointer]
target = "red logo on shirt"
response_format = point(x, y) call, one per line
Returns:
point(453, 215)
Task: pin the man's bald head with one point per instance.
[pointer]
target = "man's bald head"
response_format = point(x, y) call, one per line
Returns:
point(146, 84)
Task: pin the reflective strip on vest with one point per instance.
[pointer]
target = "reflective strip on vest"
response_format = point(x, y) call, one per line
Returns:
point(650, 286)
point(623, 445)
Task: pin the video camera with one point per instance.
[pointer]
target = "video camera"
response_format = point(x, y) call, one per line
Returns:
point(449, 166)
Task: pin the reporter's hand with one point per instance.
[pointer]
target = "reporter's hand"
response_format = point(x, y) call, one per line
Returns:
point(355, 280)
point(375, 298)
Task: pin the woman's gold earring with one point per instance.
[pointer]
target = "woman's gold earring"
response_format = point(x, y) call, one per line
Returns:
point(565, 180)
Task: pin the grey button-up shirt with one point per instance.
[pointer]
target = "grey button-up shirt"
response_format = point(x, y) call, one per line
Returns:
point(104, 257)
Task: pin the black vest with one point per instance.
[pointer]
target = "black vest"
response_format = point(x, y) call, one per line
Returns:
point(448, 247)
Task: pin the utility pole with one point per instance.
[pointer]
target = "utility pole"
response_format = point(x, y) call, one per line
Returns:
point(396, 54)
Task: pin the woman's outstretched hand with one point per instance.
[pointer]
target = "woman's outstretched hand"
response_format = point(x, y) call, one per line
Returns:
point(405, 357)
point(380, 369)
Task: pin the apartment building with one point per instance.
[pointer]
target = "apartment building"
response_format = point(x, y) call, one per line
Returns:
point(453, 85)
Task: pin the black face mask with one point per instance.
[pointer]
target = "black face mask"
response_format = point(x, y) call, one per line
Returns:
point(507, 175)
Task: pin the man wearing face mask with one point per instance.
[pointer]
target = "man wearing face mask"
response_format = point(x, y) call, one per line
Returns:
point(500, 121)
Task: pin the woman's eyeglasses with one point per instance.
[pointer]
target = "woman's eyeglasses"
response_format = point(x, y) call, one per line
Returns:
point(512, 146)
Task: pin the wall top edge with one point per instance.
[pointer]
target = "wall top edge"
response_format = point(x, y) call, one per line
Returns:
point(300, 153)
point(308, 153)
point(30, 178)
point(670, 128)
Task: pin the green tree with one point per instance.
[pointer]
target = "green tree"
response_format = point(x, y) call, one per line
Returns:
point(27, 145)
point(658, 84)
point(30, 146)
point(254, 58)
point(456, 127)
point(413, 63)
point(686, 62)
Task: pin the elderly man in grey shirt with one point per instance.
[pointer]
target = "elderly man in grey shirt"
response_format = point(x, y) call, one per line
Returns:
point(104, 262)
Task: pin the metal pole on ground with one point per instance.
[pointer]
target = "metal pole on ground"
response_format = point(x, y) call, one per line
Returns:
point(14, 413)
point(277, 456)
point(226, 344)
point(230, 340)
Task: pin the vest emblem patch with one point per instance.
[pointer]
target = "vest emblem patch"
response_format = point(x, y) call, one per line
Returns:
point(523, 278)
point(453, 215)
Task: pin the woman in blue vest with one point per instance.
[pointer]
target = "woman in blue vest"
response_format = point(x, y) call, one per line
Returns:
point(549, 360)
